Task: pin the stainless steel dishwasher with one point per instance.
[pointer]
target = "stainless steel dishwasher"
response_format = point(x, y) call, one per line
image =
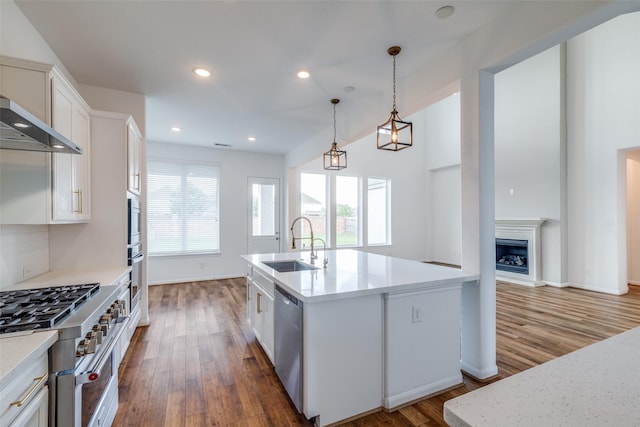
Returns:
point(288, 343)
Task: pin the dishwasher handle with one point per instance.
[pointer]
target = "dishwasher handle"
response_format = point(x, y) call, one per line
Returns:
point(288, 298)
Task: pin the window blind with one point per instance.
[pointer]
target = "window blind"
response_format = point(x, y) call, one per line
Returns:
point(182, 208)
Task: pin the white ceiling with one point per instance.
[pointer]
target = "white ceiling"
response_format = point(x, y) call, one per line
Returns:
point(253, 49)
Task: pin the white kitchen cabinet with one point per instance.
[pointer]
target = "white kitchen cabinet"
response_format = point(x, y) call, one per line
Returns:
point(134, 158)
point(36, 413)
point(71, 176)
point(24, 401)
point(37, 187)
point(260, 313)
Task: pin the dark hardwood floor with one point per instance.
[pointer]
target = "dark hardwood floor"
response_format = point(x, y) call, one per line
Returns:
point(198, 363)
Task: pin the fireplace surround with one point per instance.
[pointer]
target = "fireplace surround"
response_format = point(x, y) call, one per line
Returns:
point(518, 245)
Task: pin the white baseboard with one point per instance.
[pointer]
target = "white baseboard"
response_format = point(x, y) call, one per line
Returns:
point(193, 279)
point(557, 284)
point(392, 402)
point(532, 284)
point(597, 289)
point(481, 374)
point(634, 282)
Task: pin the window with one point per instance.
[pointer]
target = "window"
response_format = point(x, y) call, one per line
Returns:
point(313, 205)
point(337, 214)
point(183, 208)
point(347, 211)
point(263, 204)
point(378, 212)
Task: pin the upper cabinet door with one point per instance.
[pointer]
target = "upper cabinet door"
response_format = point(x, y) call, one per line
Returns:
point(70, 172)
point(134, 154)
point(82, 164)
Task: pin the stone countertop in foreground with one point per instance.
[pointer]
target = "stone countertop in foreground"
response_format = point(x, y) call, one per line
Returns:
point(595, 386)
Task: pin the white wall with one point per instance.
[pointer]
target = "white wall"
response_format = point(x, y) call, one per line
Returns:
point(445, 215)
point(603, 94)
point(442, 127)
point(24, 253)
point(235, 168)
point(116, 101)
point(19, 39)
point(633, 217)
point(529, 150)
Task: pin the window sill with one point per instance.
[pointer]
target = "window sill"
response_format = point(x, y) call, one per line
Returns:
point(184, 255)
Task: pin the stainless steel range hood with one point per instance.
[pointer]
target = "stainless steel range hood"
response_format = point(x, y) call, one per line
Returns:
point(21, 130)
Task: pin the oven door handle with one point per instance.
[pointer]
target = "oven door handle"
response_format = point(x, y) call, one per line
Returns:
point(93, 373)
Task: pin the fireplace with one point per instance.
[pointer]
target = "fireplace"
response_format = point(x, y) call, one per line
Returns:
point(518, 258)
point(512, 255)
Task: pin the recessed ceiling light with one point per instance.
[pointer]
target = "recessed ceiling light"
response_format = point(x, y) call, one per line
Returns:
point(445, 12)
point(252, 138)
point(349, 89)
point(303, 74)
point(176, 128)
point(202, 72)
point(21, 125)
point(58, 146)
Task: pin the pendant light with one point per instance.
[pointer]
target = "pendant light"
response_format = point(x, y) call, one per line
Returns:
point(395, 134)
point(335, 159)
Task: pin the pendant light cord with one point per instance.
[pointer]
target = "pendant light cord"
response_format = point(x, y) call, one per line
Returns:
point(334, 123)
point(394, 83)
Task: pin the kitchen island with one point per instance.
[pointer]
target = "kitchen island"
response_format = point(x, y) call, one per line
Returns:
point(378, 332)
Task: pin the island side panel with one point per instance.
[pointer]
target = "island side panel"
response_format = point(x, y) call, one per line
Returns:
point(343, 357)
point(422, 343)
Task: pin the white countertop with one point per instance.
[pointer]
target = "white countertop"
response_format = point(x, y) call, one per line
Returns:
point(352, 273)
point(106, 277)
point(20, 349)
point(595, 386)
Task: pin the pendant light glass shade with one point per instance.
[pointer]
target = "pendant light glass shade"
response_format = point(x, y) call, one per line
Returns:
point(335, 159)
point(395, 134)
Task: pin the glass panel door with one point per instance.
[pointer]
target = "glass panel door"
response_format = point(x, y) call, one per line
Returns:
point(264, 215)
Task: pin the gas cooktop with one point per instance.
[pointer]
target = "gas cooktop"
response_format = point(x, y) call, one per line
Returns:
point(29, 309)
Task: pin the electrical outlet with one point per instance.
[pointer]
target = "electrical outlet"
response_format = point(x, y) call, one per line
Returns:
point(26, 272)
point(418, 315)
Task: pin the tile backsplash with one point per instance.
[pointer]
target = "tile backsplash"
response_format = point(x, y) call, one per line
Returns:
point(24, 252)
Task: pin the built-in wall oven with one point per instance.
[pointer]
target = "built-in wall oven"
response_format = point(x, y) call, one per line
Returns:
point(134, 248)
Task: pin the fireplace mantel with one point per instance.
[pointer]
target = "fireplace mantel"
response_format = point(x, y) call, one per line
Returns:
point(523, 229)
point(520, 222)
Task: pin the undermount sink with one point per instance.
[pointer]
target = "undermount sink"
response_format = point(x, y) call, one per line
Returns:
point(288, 266)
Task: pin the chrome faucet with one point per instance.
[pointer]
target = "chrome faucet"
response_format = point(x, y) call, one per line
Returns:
point(325, 260)
point(294, 238)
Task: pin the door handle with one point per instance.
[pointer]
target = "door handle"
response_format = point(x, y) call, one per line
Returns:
point(259, 303)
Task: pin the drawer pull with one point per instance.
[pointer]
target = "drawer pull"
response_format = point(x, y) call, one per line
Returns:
point(40, 381)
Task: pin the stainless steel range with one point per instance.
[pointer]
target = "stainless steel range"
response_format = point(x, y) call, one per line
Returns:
point(83, 375)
